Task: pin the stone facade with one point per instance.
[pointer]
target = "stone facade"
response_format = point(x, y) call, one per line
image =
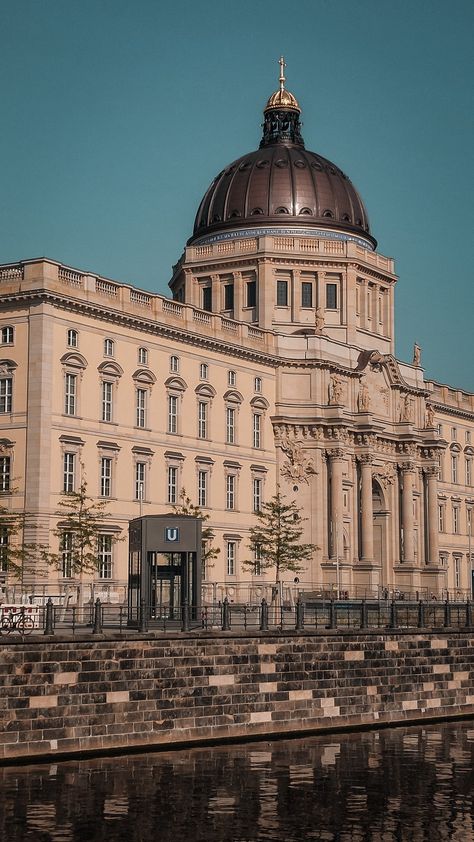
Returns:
point(119, 694)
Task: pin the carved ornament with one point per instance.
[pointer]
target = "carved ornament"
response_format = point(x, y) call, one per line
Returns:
point(298, 467)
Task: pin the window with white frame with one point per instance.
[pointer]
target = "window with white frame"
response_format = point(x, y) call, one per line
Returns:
point(442, 517)
point(109, 347)
point(454, 467)
point(104, 556)
point(468, 470)
point(172, 484)
point(70, 394)
point(231, 557)
point(443, 559)
point(440, 429)
point(230, 485)
point(69, 472)
point(107, 400)
point(66, 550)
point(257, 384)
point(257, 430)
point(141, 399)
point(257, 560)
point(6, 394)
point(174, 364)
point(7, 335)
point(173, 413)
point(457, 571)
point(106, 476)
point(203, 371)
point(72, 338)
point(143, 356)
point(202, 419)
point(231, 378)
point(469, 520)
point(5, 467)
point(230, 425)
point(4, 541)
point(257, 488)
point(456, 512)
point(140, 479)
point(202, 488)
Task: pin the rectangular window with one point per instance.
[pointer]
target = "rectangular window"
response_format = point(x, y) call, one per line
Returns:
point(104, 556)
point(69, 472)
point(105, 476)
point(141, 408)
point(5, 473)
point(66, 549)
point(70, 394)
point(207, 299)
point(202, 488)
point(282, 293)
point(381, 308)
point(257, 384)
point(257, 558)
point(228, 296)
point(203, 371)
point(454, 468)
point(6, 392)
point(140, 480)
point(107, 400)
point(454, 433)
point(230, 425)
point(251, 294)
point(231, 548)
point(306, 294)
point(358, 300)
point(174, 364)
point(230, 491)
point(257, 494)
point(457, 572)
point(172, 484)
point(257, 430)
point(3, 550)
point(468, 436)
point(441, 518)
point(202, 420)
point(369, 303)
point(172, 413)
point(456, 520)
point(468, 471)
point(331, 296)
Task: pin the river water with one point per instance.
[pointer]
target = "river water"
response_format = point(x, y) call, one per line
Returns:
point(400, 784)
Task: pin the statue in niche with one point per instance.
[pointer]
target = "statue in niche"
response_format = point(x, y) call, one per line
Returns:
point(364, 397)
point(336, 390)
point(319, 320)
point(406, 410)
point(430, 413)
point(298, 467)
point(416, 355)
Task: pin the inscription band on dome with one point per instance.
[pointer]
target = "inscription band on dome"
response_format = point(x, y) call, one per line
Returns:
point(316, 233)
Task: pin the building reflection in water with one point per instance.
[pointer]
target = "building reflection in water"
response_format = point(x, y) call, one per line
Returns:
point(411, 784)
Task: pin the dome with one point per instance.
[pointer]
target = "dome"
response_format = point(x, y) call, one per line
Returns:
point(282, 183)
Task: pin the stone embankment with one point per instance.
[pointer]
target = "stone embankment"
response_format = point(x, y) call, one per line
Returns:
point(97, 695)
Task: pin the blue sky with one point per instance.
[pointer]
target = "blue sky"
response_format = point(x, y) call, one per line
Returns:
point(116, 115)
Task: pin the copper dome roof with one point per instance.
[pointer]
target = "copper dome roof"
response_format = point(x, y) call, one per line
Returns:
point(282, 183)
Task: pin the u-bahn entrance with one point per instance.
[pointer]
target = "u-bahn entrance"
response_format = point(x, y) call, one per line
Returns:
point(164, 567)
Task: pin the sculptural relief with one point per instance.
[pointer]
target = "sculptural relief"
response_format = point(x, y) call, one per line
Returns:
point(298, 467)
point(336, 390)
point(364, 397)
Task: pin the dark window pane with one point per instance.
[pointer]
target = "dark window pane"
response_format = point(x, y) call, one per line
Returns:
point(282, 294)
point(306, 295)
point(331, 296)
point(207, 299)
point(251, 294)
point(229, 297)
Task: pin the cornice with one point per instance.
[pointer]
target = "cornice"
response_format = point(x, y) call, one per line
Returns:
point(467, 414)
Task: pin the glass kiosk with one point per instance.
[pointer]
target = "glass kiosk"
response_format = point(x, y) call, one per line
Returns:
point(164, 567)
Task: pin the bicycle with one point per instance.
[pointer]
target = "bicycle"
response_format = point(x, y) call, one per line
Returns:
point(16, 622)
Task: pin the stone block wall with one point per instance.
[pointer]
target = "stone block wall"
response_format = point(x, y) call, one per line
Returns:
point(64, 696)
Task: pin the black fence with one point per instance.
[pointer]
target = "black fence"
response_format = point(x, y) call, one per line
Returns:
point(317, 615)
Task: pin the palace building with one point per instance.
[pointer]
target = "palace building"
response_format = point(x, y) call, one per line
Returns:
point(272, 365)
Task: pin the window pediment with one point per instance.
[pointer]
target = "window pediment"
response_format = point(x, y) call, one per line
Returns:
point(233, 396)
point(144, 375)
point(455, 447)
point(176, 383)
point(74, 360)
point(110, 368)
point(259, 403)
point(205, 390)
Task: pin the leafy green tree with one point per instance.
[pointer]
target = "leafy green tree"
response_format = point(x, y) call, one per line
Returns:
point(276, 539)
point(209, 553)
point(81, 522)
point(18, 556)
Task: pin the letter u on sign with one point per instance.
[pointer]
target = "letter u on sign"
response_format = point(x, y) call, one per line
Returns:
point(171, 534)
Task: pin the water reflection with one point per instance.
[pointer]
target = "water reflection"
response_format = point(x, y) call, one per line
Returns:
point(411, 784)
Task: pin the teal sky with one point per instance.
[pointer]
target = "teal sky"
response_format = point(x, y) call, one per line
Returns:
point(116, 115)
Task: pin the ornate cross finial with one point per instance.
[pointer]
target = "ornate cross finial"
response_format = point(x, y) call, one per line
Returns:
point(282, 73)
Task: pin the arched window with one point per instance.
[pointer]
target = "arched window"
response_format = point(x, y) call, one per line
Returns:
point(72, 338)
point(174, 364)
point(109, 346)
point(143, 356)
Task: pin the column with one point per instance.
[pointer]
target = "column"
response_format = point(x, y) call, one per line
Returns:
point(367, 514)
point(432, 555)
point(337, 543)
point(265, 293)
point(216, 293)
point(295, 296)
point(239, 302)
point(408, 469)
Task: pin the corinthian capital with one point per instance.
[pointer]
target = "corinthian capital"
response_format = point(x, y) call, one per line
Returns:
point(335, 453)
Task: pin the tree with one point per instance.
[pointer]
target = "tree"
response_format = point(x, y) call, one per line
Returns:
point(275, 541)
point(80, 526)
point(18, 556)
point(185, 507)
